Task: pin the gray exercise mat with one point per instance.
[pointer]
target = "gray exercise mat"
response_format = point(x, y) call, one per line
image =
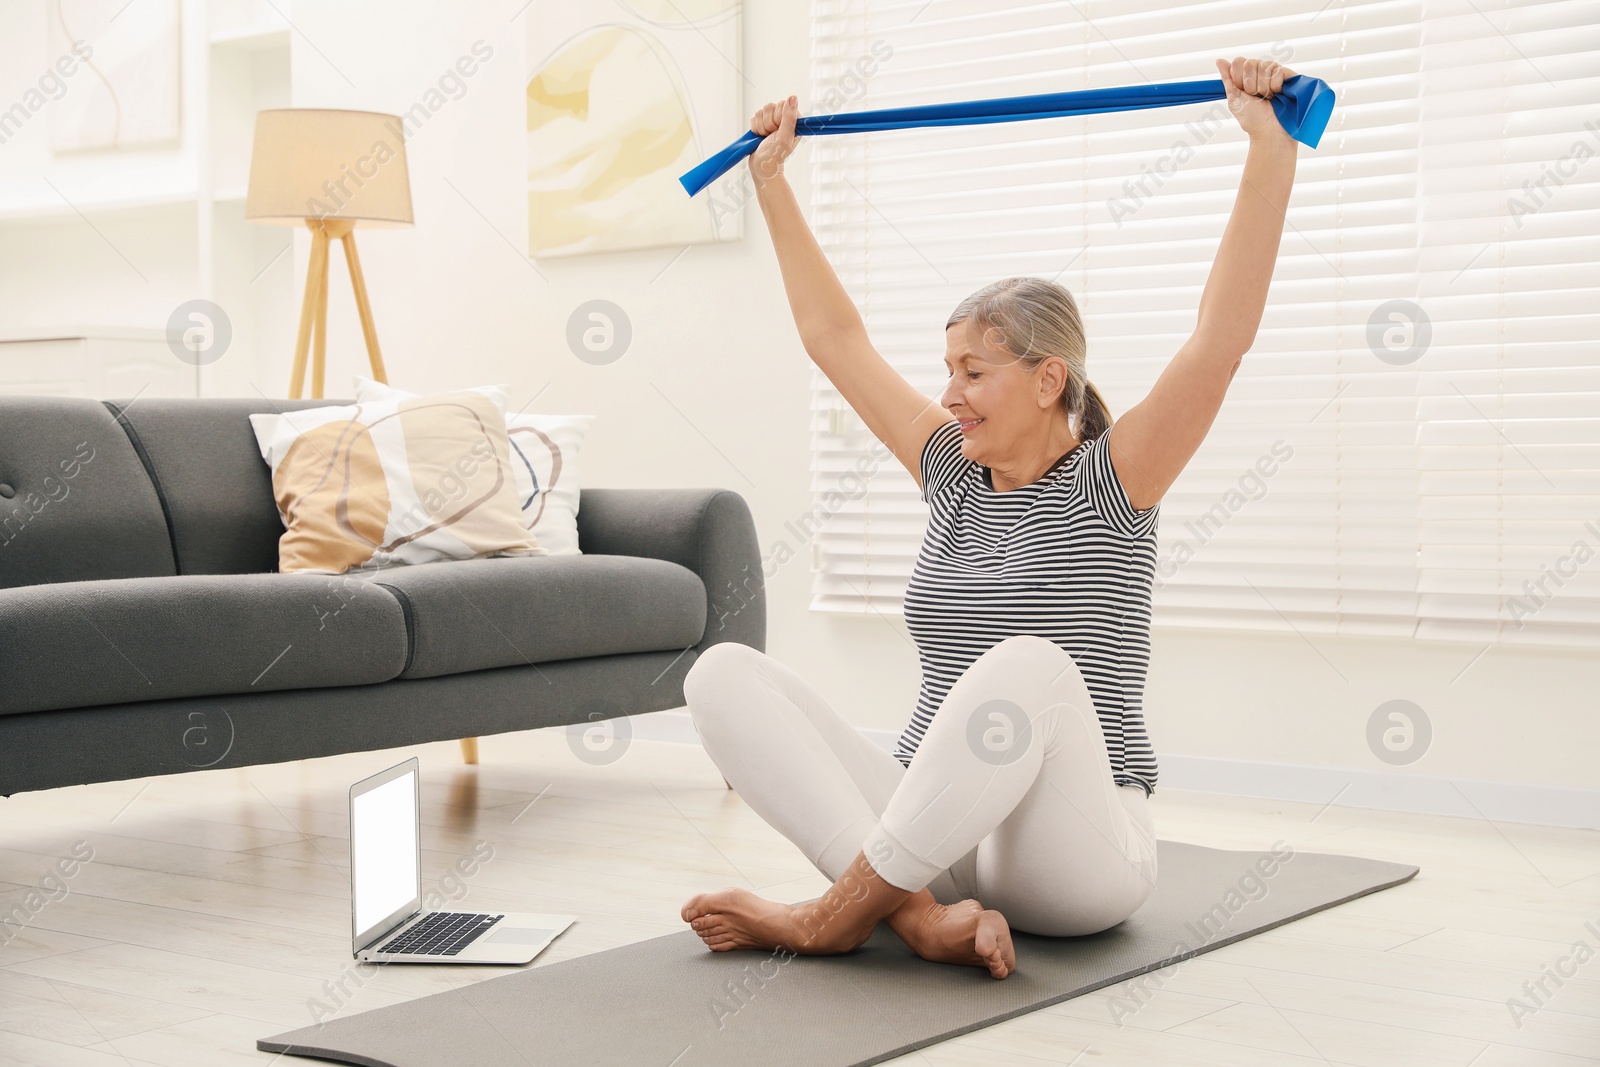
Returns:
point(670, 1000)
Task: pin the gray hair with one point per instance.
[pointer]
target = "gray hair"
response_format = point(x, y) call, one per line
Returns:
point(1033, 319)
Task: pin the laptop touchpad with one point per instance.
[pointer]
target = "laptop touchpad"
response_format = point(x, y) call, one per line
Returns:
point(513, 935)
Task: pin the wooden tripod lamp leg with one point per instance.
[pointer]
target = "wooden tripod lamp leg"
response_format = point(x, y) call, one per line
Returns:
point(319, 345)
point(353, 261)
point(316, 275)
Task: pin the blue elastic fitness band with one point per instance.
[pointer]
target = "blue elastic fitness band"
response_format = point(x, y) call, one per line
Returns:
point(1302, 106)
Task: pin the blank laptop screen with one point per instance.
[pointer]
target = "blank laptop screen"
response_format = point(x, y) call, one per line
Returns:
point(383, 850)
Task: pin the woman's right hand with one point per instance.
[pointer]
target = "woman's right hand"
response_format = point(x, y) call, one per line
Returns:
point(775, 124)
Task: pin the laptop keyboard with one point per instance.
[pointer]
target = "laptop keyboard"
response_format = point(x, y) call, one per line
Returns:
point(441, 933)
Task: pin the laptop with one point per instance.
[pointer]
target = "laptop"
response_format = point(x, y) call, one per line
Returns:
point(387, 922)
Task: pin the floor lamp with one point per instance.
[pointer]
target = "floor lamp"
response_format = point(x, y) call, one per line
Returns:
point(329, 169)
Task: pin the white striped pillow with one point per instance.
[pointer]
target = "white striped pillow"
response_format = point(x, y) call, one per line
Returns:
point(544, 463)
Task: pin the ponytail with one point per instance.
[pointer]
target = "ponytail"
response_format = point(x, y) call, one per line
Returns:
point(1094, 415)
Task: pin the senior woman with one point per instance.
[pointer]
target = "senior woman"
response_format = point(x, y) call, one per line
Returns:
point(1016, 796)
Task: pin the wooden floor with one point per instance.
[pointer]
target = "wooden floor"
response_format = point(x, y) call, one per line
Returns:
point(215, 910)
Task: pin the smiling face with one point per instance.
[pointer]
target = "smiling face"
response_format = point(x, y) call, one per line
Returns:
point(1007, 412)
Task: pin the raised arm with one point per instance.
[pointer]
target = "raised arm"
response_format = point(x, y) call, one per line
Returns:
point(1155, 439)
point(830, 325)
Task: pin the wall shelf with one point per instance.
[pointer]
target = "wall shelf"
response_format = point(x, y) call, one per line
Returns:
point(252, 38)
point(55, 209)
point(133, 234)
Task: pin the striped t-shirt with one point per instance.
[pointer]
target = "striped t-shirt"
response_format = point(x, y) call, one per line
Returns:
point(1066, 558)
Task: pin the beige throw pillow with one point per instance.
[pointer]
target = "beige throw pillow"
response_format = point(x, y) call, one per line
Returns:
point(392, 482)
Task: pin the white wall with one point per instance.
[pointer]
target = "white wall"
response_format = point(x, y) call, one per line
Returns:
point(713, 392)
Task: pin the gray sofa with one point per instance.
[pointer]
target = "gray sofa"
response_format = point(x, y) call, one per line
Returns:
point(144, 628)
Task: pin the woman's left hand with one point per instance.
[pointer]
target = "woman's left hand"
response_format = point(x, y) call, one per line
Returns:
point(1250, 84)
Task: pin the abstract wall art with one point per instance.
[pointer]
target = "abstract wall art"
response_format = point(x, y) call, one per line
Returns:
point(623, 96)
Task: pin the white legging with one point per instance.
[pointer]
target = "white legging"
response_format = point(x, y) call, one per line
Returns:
point(1009, 799)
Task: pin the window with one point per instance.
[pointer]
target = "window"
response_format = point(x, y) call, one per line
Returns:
point(1412, 446)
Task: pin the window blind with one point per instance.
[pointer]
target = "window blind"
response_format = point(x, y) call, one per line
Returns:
point(1509, 409)
point(1416, 431)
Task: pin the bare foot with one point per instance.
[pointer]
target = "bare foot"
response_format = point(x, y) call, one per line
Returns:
point(840, 920)
point(964, 932)
point(733, 918)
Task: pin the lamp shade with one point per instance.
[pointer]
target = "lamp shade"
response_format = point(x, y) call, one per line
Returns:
point(326, 163)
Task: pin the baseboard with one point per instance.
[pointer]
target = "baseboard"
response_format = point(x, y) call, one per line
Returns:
point(1472, 798)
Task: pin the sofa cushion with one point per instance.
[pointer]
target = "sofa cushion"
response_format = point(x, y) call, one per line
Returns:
point(78, 644)
point(75, 503)
point(216, 488)
point(467, 615)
